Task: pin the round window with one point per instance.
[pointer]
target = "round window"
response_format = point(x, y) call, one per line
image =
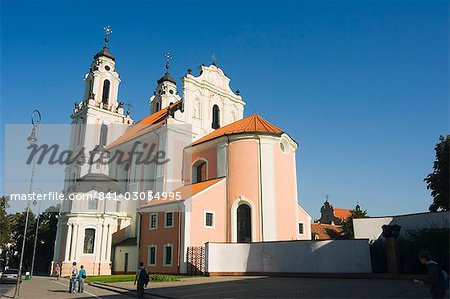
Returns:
point(107, 67)
point(171, 91)
point(284, 145)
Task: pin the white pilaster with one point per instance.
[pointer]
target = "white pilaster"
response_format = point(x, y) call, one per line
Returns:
point(68, 242)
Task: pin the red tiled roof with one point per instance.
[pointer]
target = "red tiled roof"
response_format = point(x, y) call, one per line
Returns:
point(250, 124)
point(326, 231)
point(147, 124)
point(342, 214)
point(186, 192)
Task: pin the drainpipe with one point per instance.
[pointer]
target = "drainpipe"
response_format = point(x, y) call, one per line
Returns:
point(138, 236)
point(179, 239)
point(261, 219)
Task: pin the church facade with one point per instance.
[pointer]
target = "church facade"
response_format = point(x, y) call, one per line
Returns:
point(230, 178)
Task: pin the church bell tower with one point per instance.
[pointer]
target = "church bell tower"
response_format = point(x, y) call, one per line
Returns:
point(99, 118)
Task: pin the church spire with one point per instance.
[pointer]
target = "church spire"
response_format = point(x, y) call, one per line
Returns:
point(168, 58)
point(167, 76)
point(108, 31)
point(105, 51)
point(166, 89)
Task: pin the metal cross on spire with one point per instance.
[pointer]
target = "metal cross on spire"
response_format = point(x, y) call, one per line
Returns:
point(168, 58)
point(108, 31)
point(214, 59)
point(327, 197)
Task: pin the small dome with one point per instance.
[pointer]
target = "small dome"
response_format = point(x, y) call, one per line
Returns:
point(104, 52)
point(167, 77)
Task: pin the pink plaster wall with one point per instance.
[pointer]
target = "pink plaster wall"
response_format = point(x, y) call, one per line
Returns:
point(244, 176)
point(212, 199)
point(304, 217)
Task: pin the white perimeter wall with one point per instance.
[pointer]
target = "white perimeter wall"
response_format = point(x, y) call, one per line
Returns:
point(119, 259)
point(370, 228)
point(330, 256)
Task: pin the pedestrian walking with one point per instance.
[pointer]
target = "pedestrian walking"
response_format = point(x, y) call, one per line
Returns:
point(73, 278)
point(142, 278)
point(81, 277)
point(437, 279)
point(58, 272)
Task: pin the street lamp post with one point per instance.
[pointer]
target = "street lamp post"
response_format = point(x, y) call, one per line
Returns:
point(35, 121)
point(35, 236)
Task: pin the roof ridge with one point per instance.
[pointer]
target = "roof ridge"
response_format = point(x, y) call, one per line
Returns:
point(249, 122)
point(265, 124)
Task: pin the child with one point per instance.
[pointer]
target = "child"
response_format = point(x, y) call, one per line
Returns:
point(73, 277)
point(58, 272)
point(81, 278)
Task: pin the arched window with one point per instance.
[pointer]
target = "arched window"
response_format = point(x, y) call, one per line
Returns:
point(244, 224)
point(89, 238)
point(215, 117)
point(103, 134)
point(105, 94)
point(157, 107)
point(199, 172)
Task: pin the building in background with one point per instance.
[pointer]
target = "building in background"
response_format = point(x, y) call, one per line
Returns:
point(329, 226)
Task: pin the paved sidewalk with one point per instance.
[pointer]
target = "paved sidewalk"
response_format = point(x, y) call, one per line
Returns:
point(278, 287)
point(49, 287)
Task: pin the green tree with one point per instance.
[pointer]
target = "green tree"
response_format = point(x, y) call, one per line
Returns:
point(5, 231)
point(438, 180)
point(17, 222)
point(48, 223)
point(347, 224)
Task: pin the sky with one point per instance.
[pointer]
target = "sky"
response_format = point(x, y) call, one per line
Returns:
point(362, 86)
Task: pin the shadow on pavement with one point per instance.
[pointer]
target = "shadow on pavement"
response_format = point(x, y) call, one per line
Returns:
point(288, 287)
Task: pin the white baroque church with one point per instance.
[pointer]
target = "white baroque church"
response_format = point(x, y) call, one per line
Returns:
point(112, 236)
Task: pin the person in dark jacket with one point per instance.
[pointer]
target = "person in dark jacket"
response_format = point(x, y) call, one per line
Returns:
point(434, 275)
point(140, 282)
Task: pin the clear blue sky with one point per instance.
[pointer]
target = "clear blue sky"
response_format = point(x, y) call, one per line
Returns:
point(362, 86)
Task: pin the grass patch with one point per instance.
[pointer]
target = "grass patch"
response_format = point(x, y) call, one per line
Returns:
point(110, 278)
point(130, 277)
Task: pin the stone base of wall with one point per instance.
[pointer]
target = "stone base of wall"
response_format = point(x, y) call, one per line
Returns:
point(103, 268)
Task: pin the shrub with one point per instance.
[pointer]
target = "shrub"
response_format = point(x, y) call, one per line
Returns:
point(435, 240)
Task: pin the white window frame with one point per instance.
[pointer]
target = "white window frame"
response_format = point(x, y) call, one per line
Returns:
point(213, 219)
point(150, 221)
point(164, 255)
point(165, 219)
point(95, 240)
point(298, 228)
point(148, 255)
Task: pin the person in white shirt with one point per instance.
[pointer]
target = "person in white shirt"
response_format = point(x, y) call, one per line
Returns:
point(73, 278)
